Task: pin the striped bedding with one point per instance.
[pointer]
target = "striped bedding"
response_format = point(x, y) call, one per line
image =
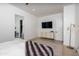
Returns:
point(36, 49)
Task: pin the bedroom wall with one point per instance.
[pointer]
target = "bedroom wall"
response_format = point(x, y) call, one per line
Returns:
point(69, 18)
point(77, 26)
point(7, 23)
point(57, 25)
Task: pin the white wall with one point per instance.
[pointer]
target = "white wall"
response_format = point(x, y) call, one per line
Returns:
point(69, 18)
point(57, 25)
point(30, 27)
point(7, 23)
point(77, 26)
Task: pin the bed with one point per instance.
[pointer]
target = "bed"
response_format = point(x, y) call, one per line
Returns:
point(12, 48)
point(24, 48)
point(36, 49)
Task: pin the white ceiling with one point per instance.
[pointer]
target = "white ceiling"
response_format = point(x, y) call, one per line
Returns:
point(41, 9)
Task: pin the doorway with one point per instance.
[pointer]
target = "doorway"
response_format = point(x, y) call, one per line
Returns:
point(19, 27)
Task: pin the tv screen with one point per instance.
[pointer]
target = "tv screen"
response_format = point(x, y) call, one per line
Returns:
point(47, 24)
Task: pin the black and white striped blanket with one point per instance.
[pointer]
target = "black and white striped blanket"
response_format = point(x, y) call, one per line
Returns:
point(36, 49)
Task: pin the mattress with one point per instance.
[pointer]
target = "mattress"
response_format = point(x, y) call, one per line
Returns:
point(36, 49)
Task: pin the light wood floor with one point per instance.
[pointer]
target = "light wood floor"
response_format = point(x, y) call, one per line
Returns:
point(58, 47)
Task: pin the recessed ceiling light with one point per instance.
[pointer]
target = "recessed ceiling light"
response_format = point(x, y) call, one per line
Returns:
point(33, 9)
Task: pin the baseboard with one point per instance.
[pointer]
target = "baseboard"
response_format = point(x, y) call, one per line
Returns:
point(72, 48)
point(78, 51)
point(33, 38)
point(45, 38)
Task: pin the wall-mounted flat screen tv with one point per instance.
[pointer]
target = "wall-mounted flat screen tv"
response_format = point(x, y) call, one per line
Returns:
point(47, 24)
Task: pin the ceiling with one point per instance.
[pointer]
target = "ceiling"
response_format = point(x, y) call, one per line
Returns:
point(41, 9)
